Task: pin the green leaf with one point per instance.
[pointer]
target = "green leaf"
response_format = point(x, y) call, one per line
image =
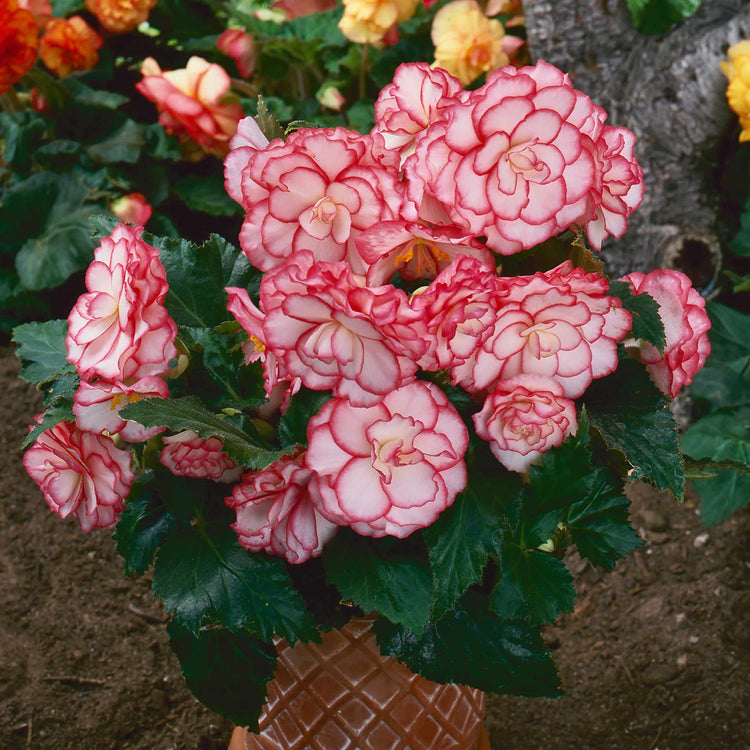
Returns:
point(564, 476)
point(723, 384)
point(64, 248)
point(464, 535)
point(142, 527)
point(20, 134)
point(197, 277)
point(305, 405)
point(61, 411)
point(658, 16)
point(204, 576)
point(226, 671)
point(123, 144)
point(390, 576)
point(728, 334)
point(535, 586)
point(647, 324)
point(267, 122)
point(708, 468)
point(598, 525)
point(189, 414)
point(724, 434)
point(206, 195)
point(474, 646)
point(740, 245)
point(41, 349)
point(633, 417)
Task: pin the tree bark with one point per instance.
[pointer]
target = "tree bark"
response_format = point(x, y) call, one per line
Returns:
point(670, 91)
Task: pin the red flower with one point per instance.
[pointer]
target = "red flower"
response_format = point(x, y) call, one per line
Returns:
point(187, 455)
point(19, 36)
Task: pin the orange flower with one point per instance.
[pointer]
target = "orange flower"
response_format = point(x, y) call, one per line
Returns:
point(193, 105)
point(69, 44)
point(737, 70)
point(40, 9)
point(467, 43)
point(18, 41)
point(299, 8)
point(120, 16)
point(370, 21)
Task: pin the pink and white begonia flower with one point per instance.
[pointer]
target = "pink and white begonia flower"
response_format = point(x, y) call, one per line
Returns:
point(390, 468)
point(315, 191)
point(187, 455)
point(331, 332)
point(192, 106)
point(415, 250)
point(507, 163)
point(278, 390)
point(80, 474)
point(96, 407)
point(618, 187)
point(405, 108)
point(459, 310)
point(276, 514)
point(120, 330)
point(523, 417)
point(686, 324)
point(560, 324)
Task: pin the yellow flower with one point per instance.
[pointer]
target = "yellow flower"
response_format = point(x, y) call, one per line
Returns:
point(737, 70)
point(467, 43)
point(368, 21)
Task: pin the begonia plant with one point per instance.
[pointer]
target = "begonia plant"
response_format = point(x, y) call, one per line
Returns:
point(405, 394)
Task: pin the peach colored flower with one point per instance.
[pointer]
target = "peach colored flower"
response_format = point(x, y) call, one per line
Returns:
point(132, 208)
point(40, 9)
point(69, 44)
point(737, 70)
point(299, 8)
point(240, 46)
point(370, 21)
point(120, 16)
point(467, 43)
point(191, 102)
point(18, 43)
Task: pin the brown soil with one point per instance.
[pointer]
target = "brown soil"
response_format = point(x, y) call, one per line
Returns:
point(655, 656)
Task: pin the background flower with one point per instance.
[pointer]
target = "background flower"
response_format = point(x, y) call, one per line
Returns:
point(120, 16)
point(19, 36)
point(737, 70)
point(391, 468)
point(132, 208)
point(190, 102)
point(467, 43)
point(80, 473)
point(69, 44)
point(523, 417)
point(276, 514)
point(240, 46)
point(369, 21)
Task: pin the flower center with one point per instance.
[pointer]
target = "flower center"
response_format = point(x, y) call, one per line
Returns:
point(541, 341)
point(423, 255)
point(393, 445)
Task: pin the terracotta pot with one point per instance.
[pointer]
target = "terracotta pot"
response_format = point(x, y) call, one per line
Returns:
point(343, 695)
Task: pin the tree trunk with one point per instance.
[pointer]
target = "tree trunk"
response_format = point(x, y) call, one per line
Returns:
point(670, 91)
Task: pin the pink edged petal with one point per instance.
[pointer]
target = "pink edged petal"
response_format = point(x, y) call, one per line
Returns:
point(542, 126)
point(359, 493)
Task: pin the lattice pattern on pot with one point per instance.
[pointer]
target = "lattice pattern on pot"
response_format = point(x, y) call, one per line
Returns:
point(343, 695)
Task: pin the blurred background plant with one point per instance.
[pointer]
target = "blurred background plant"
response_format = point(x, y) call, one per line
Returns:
point(721, 392)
